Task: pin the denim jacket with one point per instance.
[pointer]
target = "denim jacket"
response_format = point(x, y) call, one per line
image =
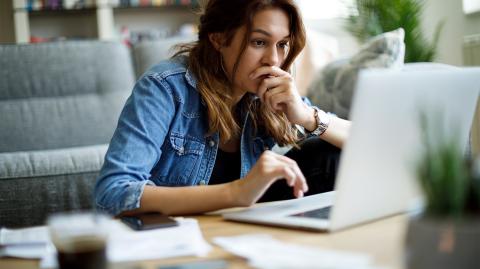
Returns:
point(161, 140)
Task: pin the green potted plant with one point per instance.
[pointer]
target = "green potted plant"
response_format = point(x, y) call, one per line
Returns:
point(373, 17)
point(446, 234)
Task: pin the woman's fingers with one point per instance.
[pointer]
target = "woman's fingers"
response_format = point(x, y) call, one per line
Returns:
point(276, 93)
point(301, 183)
point(287, 173)
point(268, 70)
point(277, 100)
point(268, 85)
point(288, 169)
point(269, 168)
point(291, 176)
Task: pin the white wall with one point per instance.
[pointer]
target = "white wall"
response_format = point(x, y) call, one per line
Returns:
point(472, 24)
point(451, 41)
point(457, 25)
point(347, 44)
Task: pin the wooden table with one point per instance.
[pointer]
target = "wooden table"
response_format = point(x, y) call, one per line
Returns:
point(382, 239)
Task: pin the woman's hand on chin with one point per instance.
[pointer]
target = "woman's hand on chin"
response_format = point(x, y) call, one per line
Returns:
point(279, 93)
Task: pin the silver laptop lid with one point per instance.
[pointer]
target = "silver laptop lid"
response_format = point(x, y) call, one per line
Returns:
point(376, 176)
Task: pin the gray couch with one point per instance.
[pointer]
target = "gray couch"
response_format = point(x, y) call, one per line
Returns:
point(59, 105)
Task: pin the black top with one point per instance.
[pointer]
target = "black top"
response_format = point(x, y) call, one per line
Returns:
point(227, 167)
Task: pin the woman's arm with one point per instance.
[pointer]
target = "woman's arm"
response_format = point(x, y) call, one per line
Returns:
point(242, 192)
point(186, 200)
point(337, 131)
point(135, 147)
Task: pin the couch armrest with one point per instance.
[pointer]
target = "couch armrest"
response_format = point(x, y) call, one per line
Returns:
point(36, 183)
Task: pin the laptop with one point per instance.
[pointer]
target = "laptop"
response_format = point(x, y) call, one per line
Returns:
point(376, 175)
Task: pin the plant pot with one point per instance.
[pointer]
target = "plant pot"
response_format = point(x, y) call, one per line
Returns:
point(442, 243)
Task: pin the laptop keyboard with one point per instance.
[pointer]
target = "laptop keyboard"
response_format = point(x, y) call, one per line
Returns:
point(321, 213)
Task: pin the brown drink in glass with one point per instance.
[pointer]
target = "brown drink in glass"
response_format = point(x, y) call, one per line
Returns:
point(80, 240)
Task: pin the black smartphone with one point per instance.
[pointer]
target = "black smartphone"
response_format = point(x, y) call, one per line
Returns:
point(148, 221)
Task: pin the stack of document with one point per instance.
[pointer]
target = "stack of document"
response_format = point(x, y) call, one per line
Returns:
point(183, 240)
point(124, 244)
point(263, 251)
point(28, 243)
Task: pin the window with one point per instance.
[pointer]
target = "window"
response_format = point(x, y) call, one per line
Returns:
point(471, 6)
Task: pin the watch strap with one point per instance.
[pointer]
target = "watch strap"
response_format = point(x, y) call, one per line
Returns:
point(323, 121)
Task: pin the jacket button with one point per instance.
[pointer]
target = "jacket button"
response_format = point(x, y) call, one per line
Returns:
point(202, 182)
point(211, 143)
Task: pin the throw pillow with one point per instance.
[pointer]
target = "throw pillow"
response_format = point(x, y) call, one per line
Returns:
point(333, 88)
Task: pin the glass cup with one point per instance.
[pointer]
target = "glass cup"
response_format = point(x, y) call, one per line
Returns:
point(80, 239)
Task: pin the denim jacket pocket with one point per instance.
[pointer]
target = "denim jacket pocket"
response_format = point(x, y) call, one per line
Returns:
point(185, 157)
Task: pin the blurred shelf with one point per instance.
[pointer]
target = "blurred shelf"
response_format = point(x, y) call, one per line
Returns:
point(96, 19)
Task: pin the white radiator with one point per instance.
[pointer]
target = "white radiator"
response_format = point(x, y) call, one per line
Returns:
point(471, 50)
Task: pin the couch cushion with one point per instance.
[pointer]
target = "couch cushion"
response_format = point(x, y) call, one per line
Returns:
point(51, 162)
point(148, 53)
point(61, 94)
point(333, 87)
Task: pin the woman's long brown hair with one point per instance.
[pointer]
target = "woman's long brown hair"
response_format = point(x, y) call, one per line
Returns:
point(215, 88)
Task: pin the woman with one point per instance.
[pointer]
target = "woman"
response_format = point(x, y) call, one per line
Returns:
point(195, 133)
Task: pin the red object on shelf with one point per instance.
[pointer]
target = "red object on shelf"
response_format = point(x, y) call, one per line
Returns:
point(37, 39)
point(145, 2)
point(125, 36)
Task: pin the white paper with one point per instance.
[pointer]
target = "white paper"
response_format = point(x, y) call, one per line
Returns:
point(30, 235)
point(263, 251)
point(27, 251)
point(123, 245)
point(126, 245)
point(26, 243)
point(183, 240)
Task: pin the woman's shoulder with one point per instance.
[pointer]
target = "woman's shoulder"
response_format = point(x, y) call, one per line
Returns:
point(170, 67)
point(172, 71)
point(172, 76)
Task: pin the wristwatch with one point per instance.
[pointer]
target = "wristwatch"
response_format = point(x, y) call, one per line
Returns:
point(322, 119)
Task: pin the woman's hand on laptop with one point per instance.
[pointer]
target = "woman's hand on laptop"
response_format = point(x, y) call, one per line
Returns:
point(269, 168)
